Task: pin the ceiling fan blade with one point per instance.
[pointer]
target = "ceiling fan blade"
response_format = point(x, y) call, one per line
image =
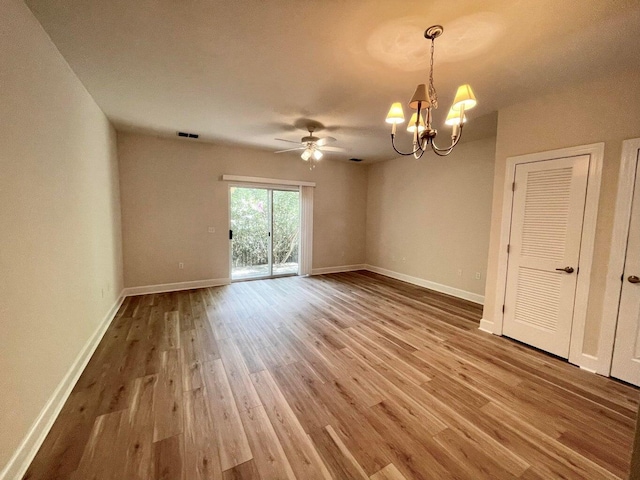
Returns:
point(333, 149)
point(326, 140)
point(289, 141)
point(290, 150)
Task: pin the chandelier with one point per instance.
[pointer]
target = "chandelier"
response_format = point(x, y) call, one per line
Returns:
point(424, 101)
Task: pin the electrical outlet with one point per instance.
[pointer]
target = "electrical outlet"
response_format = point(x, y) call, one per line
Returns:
point(478, 275)
point(180, 265)
point(459, 272)
point(212, 230)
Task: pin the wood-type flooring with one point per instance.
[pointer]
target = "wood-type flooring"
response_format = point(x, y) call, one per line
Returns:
point(343, 376)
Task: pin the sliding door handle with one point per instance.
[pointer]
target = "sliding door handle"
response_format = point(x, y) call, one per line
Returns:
point(565, 269)
point(633, 279)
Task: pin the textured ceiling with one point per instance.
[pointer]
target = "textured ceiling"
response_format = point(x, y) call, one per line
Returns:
point(245, 72)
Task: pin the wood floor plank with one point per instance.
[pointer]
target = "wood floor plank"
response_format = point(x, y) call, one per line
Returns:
point(244, 471)
point(390, 472)
point(351, 423)
point(338, 376)
point(268, 454)
point(63, 448)
point(201, 456)
point(104, 453)
point(171, 331)
point(238, 375)
point(137, 426)
point(302, 455)
point(232, 440)
point(309, 411)
point(572, 464)
point(477, 462)
point(168, 458)
point(339, 460)
point(167, 397)
point(249, 353)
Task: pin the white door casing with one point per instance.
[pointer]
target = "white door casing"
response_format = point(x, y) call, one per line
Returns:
point(493, 320)
point(626, 354)
point(546, 229)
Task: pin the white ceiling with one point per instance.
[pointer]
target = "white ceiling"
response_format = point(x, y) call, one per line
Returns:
point(244, 72)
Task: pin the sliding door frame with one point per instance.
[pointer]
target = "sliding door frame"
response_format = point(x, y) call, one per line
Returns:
point(305, 255)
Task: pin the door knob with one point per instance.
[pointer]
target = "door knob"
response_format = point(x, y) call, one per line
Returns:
point(633, 279)
point(566, 269)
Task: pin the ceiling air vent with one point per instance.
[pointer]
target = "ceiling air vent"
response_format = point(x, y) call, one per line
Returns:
point(187, 135)
point(355, 159)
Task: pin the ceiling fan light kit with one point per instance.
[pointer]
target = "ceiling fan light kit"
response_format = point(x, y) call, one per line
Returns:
point(424, 101)
point(313, 148)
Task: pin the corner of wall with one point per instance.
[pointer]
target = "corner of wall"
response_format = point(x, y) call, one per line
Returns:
point(32, 441)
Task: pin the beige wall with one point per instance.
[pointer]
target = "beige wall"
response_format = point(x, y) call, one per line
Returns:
point(597, 111)
point(430, 218)
point(172, 192)
point(60, 242)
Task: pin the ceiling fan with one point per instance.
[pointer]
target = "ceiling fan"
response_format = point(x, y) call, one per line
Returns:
point(313, 147)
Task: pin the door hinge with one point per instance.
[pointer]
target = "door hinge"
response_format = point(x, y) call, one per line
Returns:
point(230, 234)
point(513, 187)
point(508, 248)
point(577, 270)
point(502, 308)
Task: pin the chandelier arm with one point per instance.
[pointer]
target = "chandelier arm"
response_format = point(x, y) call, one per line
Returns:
point(446, 151)
point(419, 149)
point(441, 153)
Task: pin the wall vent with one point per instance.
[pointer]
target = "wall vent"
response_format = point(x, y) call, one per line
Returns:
point(187, 135)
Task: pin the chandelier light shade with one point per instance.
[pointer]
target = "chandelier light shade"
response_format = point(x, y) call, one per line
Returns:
point(420, 96)
point(424, 101)
point(411, 127)
point(395, 115)
point(453, 118)
point(464, 98)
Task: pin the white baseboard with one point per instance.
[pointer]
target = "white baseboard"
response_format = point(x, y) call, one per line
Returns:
point(486, 326)
point(175, 287)
point(456, 292)
point(339, 269)
point(31, 443)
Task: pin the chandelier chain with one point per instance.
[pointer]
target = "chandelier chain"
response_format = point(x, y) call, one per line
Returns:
point(432, 90)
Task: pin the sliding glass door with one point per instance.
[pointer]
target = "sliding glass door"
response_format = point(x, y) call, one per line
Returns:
point(265, 232)
point(285, 206)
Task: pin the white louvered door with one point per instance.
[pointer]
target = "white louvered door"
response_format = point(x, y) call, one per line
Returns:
point(546, 229)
